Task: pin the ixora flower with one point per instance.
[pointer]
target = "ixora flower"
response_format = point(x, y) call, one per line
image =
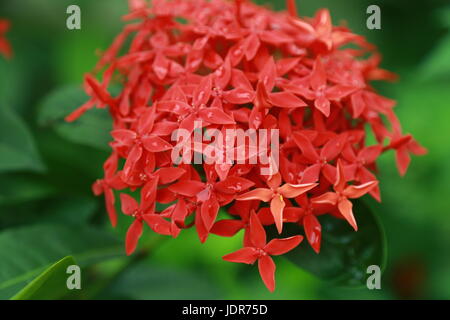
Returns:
point(239, 66)
point(5, 47)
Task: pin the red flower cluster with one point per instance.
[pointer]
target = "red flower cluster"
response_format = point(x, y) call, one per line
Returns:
point(5, 47)
point(239, 65)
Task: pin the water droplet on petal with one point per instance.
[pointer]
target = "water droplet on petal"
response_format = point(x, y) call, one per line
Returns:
point(219, 72)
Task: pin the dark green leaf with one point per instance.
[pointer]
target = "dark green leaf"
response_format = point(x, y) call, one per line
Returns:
point(25, 252)
point(345, 254)
point(145, 281)
point(50, 284)
point(11, 82)
point(19, 188)
point(91, 129)
point(75, 210)
point(17, 148)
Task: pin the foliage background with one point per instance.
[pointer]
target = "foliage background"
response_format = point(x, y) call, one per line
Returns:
point(47, 210)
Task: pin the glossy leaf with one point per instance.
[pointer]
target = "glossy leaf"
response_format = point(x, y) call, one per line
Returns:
point(146, 281)
point(26, 251)
point(50, 284)
point(73, 210)
point(17, 146)
point(345, 254)
point(18, 188)
point(94, 123)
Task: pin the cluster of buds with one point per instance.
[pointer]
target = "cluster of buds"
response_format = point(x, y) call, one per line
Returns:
point(5, 48)
point(198, 65)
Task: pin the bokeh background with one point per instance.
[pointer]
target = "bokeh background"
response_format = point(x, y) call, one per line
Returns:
point(47, 210)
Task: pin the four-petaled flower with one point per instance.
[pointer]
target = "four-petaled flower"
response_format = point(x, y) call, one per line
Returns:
point(342, 193)
point(275, 194)
point(262, 251)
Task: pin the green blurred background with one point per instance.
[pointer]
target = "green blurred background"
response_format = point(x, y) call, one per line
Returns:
point(47, 210)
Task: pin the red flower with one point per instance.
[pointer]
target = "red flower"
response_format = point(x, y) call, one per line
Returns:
point(358, 169)
point(261, 251)
point(187, 113)
point(229, 227)
point(306, 215)
point(342, 193)
point(275, 195)
point(319, 91)
point(108, 184)
point(143, 212)
point(238, 66)
point(320, 163)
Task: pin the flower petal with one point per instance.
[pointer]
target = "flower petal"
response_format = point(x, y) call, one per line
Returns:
point(323, 105)
point(294, 190)
point(276, 207)
point(169, 174)
point(110, 206)
point(339, 92)
point(154, 143)
point(160, 66)
point(158, 224)
point(280, 246)
point(268, 74)
point(274, 181)
point(341, 180)
point(233, 185)
point(345, 208)
point(356, 191)
point(202, 92)
point(133, 157)
point(245, 255)
point(239, 96)
point(215, 115)
point(251, 44)
point(306, 146)
point(286, 100)
point(209, 211)
point(128, 204)
point(180, 212)
point(267, 268)
point(370, 154)
point(227, 227)
point(187, 188)
point(311, 174)
point(333, 147)
point(313, 231)
point(262, 194)
point(326, 198)
point(200, 227)
point(257, 232)
point(123, 136)
point(133, 234)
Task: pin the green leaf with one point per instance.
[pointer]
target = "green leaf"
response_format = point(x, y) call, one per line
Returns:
point(345, 254)
point(18, 188)
point(25, 252)
point(148, 281)
point(50, 284)
point(17, 147)
point(75, 210)
point(12, 82)
point(91, 129)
